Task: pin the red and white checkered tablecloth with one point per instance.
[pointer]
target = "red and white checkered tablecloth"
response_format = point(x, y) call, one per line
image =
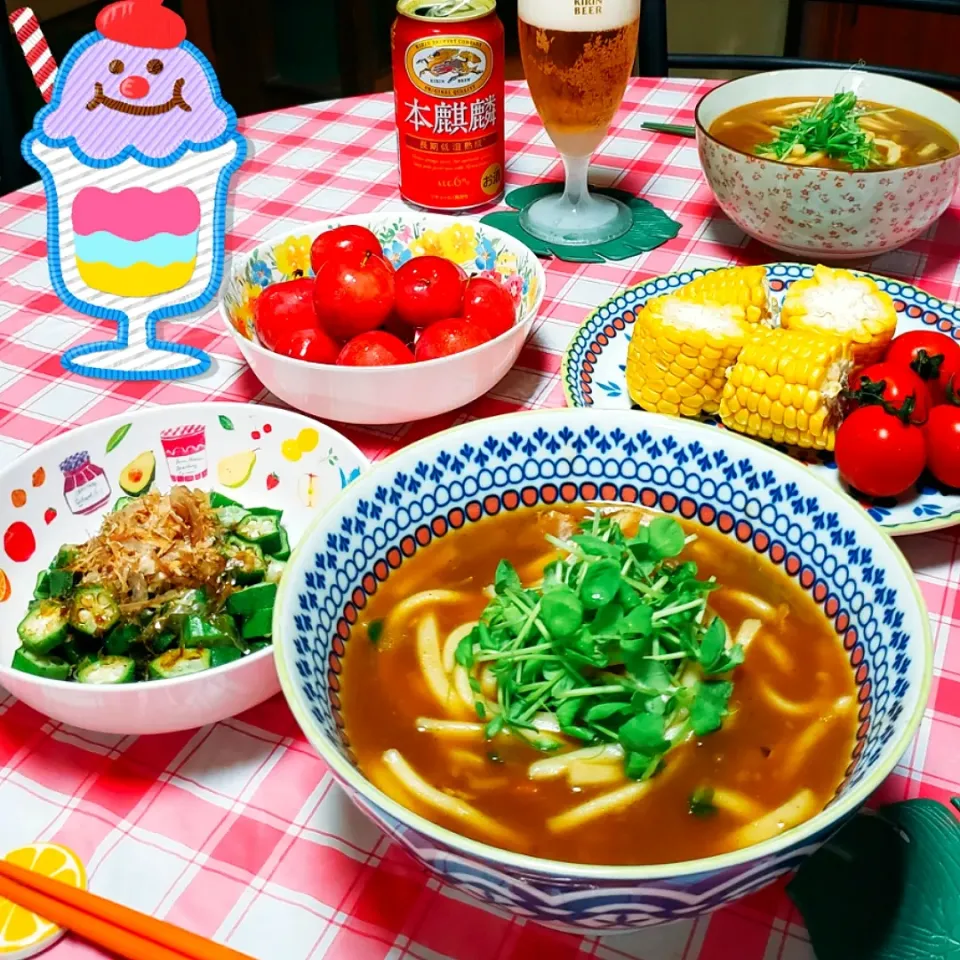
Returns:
point(238, 831)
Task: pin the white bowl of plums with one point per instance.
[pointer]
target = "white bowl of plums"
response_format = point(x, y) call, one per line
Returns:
point(389, 318)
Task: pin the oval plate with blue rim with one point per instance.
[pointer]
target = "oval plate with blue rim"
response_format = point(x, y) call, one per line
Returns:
point(594, 365)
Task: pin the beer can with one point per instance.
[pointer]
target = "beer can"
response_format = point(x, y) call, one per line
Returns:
point(448, 74)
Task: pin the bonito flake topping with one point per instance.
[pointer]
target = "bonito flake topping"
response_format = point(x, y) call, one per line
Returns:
point(158, 543)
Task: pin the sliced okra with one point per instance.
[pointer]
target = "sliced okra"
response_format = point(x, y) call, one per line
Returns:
point(275, 569)
point(218, 631)
point(266, 512)
point(263, 531)
point(49, 668)
point(178, 663)
point(221, 656)
point(107, 670)
point(163, 642)
point(258, 625)
point(230, 517)
point(283, 552)
point(53, 583)
point(120, 639)
point(45, 626)
point(188, 604)
point(94, 611)
point(245, 561)
point(65, 557)
point(245, 602)
point(218, 500)
point(70, 651)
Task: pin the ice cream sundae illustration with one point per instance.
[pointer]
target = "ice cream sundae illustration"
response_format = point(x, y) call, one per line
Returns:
point(136, 150)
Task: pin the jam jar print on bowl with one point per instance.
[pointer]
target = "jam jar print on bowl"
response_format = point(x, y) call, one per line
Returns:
point(186, 451)
point(85, 485)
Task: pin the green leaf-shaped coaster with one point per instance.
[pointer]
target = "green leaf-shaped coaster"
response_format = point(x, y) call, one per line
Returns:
point(886, 887)
point(651, 227)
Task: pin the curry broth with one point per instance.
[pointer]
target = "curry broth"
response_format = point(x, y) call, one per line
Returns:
point(384, 693)
point(920, 140)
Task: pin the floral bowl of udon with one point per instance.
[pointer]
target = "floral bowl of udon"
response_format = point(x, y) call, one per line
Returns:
point(602, 669)
point(830, 164)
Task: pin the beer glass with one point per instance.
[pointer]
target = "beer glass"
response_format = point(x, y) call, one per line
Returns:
point(578, 56)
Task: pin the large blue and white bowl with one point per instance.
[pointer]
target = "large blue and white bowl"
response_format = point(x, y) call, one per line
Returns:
point(750, 493)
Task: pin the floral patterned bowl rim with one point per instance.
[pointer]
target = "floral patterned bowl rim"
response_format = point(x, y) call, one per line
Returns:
point(928, 510)
point(846, 804)
point(487, 252)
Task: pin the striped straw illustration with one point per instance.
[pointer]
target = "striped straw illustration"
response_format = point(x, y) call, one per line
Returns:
point(34, 45)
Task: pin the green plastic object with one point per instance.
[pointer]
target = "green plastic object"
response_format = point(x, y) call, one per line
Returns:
point(651, 227)
point(886, 887)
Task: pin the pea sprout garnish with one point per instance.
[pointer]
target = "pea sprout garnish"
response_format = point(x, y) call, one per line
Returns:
point(617, 643)
point(831, 128)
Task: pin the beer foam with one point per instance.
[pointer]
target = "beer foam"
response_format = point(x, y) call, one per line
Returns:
point(576, 15)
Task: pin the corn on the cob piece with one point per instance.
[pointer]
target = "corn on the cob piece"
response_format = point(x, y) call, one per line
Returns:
point(786, 387)
point(841, 304)
point(680, 353)
point(745, 287)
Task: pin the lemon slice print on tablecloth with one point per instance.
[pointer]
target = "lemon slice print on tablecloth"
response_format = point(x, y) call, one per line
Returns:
point(22, 933)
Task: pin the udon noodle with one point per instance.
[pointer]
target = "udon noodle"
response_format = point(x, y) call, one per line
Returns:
point(841, 133)
point(415, 672)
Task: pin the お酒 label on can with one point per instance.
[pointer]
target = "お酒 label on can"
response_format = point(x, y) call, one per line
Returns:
point(448, 84)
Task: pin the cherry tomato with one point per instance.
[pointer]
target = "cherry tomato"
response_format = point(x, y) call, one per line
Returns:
point(375, 349)
point(878, 454)
point(350, 243)
point(942, 432)
point(934, 356)
point(282, 308)
point(312, 345)
point(893, 383)
point(448, 337)
point(353, 299)
point(429, 289)
point(489, 305)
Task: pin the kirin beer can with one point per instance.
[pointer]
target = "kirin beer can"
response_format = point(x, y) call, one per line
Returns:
point(448, 69)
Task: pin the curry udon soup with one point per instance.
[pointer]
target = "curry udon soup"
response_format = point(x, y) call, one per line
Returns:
point(839, 133)
point(599, 686)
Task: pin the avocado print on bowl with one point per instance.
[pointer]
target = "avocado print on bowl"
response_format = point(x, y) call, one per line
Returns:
point(137, 477)
point(227, 459)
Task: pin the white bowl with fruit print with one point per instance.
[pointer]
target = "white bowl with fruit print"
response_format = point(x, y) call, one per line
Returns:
point(398, 390)
point(280, 466)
